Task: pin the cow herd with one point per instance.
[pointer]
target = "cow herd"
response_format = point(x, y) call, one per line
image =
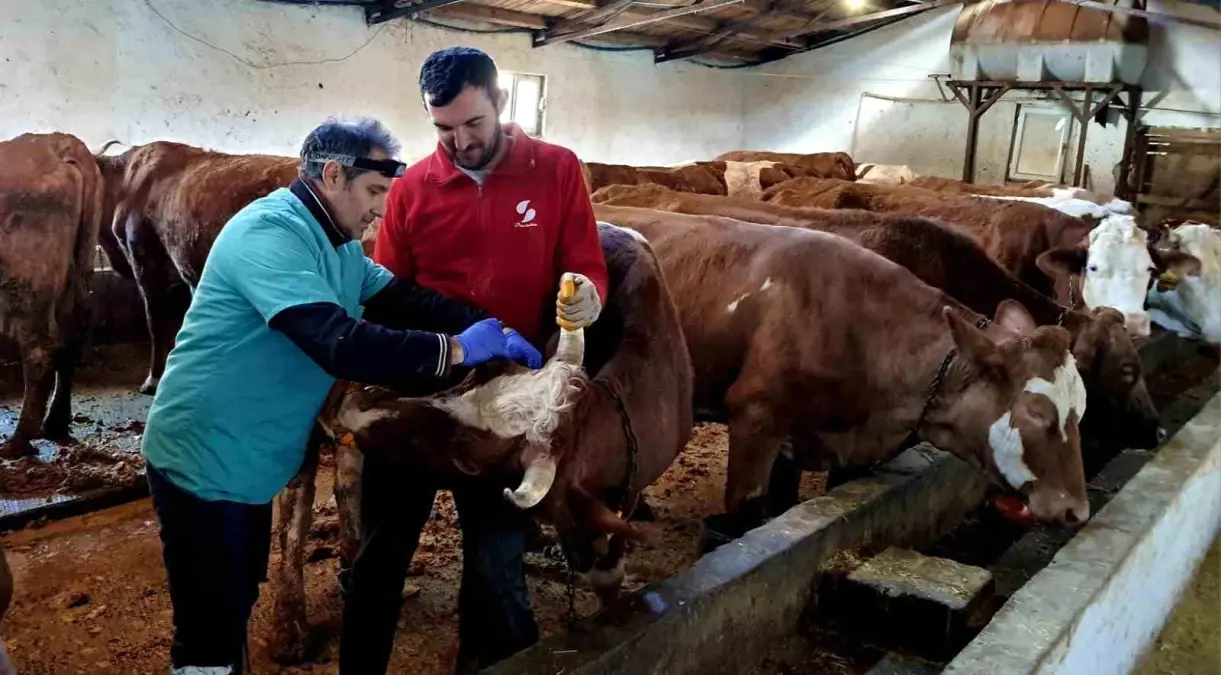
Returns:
point(829, 321)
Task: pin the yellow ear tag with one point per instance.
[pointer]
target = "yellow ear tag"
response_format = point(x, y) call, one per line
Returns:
point(1168, 281)
point(347, 440)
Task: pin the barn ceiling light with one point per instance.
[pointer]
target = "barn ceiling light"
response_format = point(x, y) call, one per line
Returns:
point(854, 5)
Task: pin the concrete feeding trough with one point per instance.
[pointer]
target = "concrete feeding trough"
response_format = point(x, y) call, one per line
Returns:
point(1098, 599)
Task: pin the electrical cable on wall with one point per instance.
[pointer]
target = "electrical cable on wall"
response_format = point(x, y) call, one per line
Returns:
point(262, 66)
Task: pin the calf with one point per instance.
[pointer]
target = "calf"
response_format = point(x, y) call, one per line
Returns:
point(50, 212)
point(169, 201)
point(952, 262)
point(585, 440)
point(819, 164)
point(849, 359)
point(1186, 303)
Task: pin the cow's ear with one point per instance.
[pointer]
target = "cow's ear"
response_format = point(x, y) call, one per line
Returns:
point(1062, 262)
point(1013, 315)
point(972, 343)
point(1181, 263)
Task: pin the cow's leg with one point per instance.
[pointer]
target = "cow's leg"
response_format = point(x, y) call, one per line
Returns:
point(58, 424)
point(38, 376)
point(754, 444)
point(290, 632)
point(164, 293)
point(608, 573)
point(348, 465)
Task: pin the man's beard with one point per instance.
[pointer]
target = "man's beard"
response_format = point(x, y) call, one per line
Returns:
point(488, 155)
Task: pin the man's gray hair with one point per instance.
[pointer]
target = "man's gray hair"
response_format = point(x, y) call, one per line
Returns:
point(357, 137)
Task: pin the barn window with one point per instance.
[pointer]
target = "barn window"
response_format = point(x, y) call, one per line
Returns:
point(525, 101)
point(1040, 142)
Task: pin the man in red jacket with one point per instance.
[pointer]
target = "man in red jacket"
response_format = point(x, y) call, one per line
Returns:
point(494, 218)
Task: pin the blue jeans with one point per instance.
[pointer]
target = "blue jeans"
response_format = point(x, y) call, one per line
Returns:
point(494, 615)
point(216, 554)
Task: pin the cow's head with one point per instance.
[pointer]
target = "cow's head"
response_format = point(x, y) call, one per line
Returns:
point(1191, 304)
point(1113, 269)
point(1014, 409)
point(1120, 405)
point(500, 419)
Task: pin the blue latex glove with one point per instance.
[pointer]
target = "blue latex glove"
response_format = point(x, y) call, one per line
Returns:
point(521, 351)
point(483, 341)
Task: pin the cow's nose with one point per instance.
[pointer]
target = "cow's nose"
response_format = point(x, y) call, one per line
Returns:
point(1075, 516)
point(1137, 323)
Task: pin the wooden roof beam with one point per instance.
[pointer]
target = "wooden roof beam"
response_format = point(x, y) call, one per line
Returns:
point(565, 32)
point(494, 15)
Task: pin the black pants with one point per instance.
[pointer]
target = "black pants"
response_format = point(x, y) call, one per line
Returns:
point(494, 615)
point(216, 553)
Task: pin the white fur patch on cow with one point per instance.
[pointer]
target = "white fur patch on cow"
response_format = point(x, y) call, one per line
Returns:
point(1066, 392)
point(635, 234)
point(767, 283)
point(612, 578)
point(357, 421)
point(1006, 444)
point(1118, 268)
point(527, 404)
point(733, 306)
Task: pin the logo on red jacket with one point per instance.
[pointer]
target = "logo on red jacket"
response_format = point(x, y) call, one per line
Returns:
point(527, 214)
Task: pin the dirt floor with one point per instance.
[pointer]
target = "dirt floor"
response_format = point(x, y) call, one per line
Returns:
point(1190, 642)
point(90, 594)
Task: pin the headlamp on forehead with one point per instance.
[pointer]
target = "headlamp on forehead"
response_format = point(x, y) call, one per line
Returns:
point(389, 168)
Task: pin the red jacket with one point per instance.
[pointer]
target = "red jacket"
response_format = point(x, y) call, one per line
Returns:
point(502, 246)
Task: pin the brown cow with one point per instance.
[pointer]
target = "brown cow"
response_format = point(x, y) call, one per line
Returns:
point(819, 165)
point(1015, 234)
point(951, 261)
point(849, 358)
point(169, 202)
point(50, 213)
point(583, 456)
point(700, 177)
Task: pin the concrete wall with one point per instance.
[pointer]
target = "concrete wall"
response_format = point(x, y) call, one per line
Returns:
point(124, 69)
point(872, 96)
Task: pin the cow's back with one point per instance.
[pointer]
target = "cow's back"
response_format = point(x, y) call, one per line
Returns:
point(189, 193)
point(50, 211)
point(820, 164)
point(741, 287)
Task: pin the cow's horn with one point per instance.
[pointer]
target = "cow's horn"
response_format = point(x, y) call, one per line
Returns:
point(106, 147)
point(571, 347)
point(540, 474)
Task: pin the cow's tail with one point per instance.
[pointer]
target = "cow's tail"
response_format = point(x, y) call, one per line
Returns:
point(112, 170)
point(98, 154)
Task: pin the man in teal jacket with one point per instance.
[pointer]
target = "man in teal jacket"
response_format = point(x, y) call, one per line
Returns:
point(275, 320)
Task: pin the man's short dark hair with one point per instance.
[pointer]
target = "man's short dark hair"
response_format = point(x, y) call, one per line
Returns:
point(357, 137)
point(446, 72)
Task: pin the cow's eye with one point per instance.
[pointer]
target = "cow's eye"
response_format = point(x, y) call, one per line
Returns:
point(1093, 268)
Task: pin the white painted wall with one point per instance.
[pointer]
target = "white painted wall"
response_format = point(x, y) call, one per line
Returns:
point(108, 69)
point(872, 96)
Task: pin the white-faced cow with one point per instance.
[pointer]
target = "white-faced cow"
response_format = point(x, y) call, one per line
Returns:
point(847, 359)
point(580, 438)
point(50, 211)
point(1114, 267)
point(1190, 305)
